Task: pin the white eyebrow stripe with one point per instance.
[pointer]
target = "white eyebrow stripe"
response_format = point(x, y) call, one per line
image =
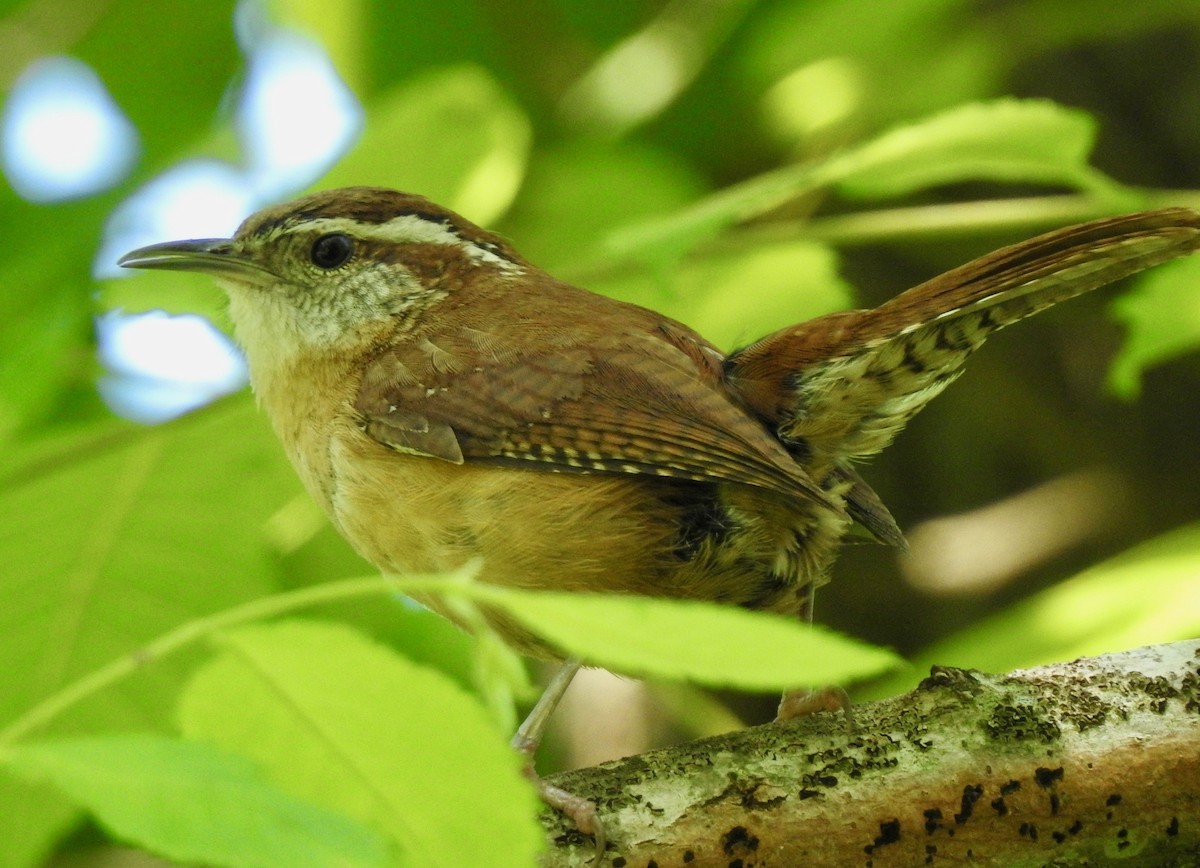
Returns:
point(409, 229)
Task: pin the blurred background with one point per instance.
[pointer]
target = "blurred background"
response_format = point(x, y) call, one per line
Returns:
point(1050, 496)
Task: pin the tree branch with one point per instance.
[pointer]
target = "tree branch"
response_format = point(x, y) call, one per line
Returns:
point(1068, 764)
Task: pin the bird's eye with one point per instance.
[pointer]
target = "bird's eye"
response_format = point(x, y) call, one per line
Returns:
point(331, 251)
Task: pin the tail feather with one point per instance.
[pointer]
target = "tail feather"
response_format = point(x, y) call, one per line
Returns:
point(841, 387)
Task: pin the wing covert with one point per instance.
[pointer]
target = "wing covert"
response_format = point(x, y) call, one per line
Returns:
point(578, 400)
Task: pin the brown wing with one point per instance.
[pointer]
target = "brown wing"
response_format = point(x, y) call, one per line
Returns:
point(576, 398)
point(845, 384)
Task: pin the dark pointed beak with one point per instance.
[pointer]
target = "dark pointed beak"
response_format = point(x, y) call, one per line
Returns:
point(215, 256)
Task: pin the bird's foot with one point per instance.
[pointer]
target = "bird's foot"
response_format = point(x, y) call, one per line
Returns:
point(798, 703)
point(580, 811)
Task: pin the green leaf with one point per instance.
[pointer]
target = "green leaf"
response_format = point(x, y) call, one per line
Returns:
point(45, 343)
point(343, 31)
point(734, 298)
point(1026, 141)
point(576, 192)
point(452, 135)
point(720, 646)
point(112, 535)
point(193, 803)
point(116, 534)
point(904, 59)
point(1008, 140)
point(742, 298)
point(36, 817)
point(171, 87)
point(1162, 317)
point(171, 291)
point(500, 676)
point(346, 723)
point(661, 242)
point(395, 41)
point(1146, 595)
point(45, 310)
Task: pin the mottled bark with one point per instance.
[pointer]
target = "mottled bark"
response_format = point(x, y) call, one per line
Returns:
point(1077, 763)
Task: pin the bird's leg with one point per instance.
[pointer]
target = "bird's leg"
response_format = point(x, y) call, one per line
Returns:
point(796, 703)
point(529, 734)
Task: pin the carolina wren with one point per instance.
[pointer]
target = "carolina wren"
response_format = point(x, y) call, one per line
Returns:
point(444, 399)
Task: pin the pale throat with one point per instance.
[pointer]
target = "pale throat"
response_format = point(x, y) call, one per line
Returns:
point(275, 320)
point(306, 398)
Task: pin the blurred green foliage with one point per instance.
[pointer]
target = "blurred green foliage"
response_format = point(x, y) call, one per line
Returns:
point(739, 166)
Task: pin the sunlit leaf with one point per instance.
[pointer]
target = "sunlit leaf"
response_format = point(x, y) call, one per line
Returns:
point(45, 309)
point(908, 58)
point(736, 297)
point(1113, 606)
point(575, 193)
point(37, 816)
point(44, 333)
point(765, 288)
point(115, 535)
point(189, 76)
point(1161, 315)
point(171, 291)
point(1029, 141)
point(452, 135)
point(341, 29)
point(661, 242)
point(347, 723)
point(193, 803)
point(721, 646)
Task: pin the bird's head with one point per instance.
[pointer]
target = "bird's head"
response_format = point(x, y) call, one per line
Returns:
point(329, 267)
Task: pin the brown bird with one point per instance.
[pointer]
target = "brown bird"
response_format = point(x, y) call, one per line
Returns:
point(445, 400)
